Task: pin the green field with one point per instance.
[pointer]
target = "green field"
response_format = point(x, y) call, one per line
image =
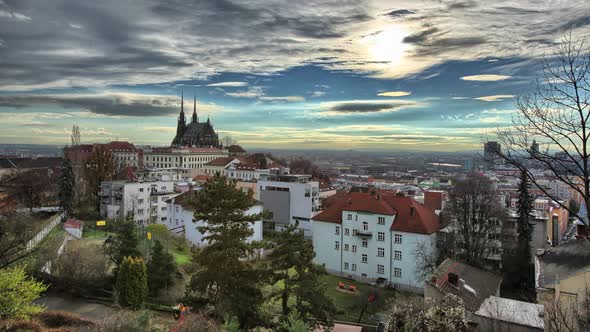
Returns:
point(349, 304)
point(92, 233)
point(181, 257)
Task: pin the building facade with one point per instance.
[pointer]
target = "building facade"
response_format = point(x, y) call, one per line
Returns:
point(186, 157)
point(145, 201)
point(291, 199)
point(180, 219)
point(374, 237)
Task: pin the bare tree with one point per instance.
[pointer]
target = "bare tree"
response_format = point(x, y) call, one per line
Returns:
point(100, 168)
point(228, 140)
point(427, 259)
point(29, 187)
point(474, 216)
point(551, 127)
point(74, 154)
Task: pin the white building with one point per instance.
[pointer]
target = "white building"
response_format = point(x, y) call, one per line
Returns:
point(291, 198)
point(188, 158)
point(180, 219)
point(374, 237)
point(146, 201)
point(244, 171)
point(218, 165)
point(124, 154)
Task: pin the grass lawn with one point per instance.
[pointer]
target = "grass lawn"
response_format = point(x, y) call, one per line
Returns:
point(349, 304)
point(182, 257)
point(91, 233)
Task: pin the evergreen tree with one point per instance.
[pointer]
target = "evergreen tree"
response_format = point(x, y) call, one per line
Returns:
point(132, 283)
point(227, 278)
point(161, 269)
point(123, 243)
point(291, 262)
point(524, 229)
point(67, 184)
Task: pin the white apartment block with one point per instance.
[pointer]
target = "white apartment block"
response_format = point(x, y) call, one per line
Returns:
point(244, 172)
point(374, 237)
point(145, 201)
point(180, 219)
point(188, 158)
point(291, 198)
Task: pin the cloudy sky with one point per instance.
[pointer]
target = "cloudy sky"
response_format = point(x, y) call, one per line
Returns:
point(416, 74)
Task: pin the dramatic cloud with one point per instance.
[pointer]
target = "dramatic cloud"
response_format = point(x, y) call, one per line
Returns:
point(494, 97)
point(112, 104)
point(283, 98)
point(485, 78)
point(394, 94)
point(229, 84)
point(366, 106)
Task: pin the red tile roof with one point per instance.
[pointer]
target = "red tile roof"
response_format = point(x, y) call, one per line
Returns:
point(121, 146)
point(73, 223)
point(411, 216)
point(235, 149)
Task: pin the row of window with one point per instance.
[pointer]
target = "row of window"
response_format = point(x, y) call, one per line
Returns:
point(380, 220)
point(397, 255)
point(380, 235)
point(397, 272)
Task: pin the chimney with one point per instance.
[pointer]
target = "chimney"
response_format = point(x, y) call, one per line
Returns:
point(349, 201)
point(453, 279)
point(433, 200)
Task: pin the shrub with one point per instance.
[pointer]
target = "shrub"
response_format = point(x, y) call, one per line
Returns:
point(20, 326)
point(132, 283)
point(17, 292)
point(197, 323)
point(62, 318)
point(82, 267)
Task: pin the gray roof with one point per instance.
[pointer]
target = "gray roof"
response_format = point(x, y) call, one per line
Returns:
point(194, 129)
point(563, 261)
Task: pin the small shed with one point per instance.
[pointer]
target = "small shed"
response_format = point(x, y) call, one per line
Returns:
point(74, 227)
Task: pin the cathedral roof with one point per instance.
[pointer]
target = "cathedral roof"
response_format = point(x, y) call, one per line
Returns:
point(194, 129)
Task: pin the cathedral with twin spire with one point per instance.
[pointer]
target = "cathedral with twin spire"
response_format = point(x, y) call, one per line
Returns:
point(194, 134)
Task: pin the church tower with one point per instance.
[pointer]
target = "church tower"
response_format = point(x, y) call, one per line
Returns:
point(181, 126)
point(195, 118)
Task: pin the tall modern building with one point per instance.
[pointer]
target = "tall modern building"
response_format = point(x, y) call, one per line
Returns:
point(491, 151)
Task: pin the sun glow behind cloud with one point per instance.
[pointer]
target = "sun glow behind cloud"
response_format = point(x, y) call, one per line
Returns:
point(387, 45)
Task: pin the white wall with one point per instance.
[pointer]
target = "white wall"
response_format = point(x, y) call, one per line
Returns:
point(177, 216)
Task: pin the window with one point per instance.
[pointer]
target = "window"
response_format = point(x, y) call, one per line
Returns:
point(337, 230)
point(163, 208)
point(381, 220)
point(397, 255)
point(397, 238)
point(163, 219)
point(397, 272)
point(337, 245)
point(365, 243)
point(345, 265)
point(346, 231)
point(380, 269)
point(140, 201)
point(349, 217)
point(139, 211)
point(353, 267)
point(381, 252)
point(354, 232)
point(365, 258)
point(365, 226)
point(346, 247)
point(354, 248)
point(381, 236)
point(140, 190)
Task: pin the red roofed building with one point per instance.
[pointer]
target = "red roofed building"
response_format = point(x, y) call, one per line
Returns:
point(74, 227)
point(374, 237)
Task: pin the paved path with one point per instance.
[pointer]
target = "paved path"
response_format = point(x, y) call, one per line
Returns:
point(90, 310)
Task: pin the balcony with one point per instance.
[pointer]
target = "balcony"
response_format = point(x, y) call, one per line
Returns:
point(363, 233)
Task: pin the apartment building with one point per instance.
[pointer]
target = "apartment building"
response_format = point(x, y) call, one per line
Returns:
point(185, 157)
point(292, 198)
point(374, 237)
point(180, 219)
point(145, 201)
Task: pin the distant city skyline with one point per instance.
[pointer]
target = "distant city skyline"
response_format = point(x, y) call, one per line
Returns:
point(275, 74)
